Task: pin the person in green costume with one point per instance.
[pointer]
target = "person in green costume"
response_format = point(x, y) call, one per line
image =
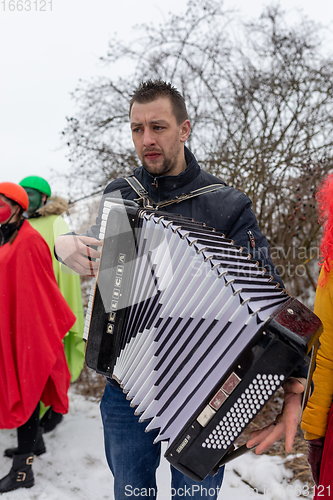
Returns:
point(44, 215)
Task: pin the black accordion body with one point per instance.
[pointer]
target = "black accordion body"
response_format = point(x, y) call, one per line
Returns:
point(198, 336)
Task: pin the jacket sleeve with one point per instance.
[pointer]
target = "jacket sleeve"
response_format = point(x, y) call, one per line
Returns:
point(246, 233)
point(314, 421)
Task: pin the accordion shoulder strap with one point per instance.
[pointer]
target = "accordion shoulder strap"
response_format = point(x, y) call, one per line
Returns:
point(144, 199)
point(147, 202)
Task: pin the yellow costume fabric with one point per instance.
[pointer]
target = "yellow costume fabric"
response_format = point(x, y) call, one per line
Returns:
point(314, 420)
point(50, 227)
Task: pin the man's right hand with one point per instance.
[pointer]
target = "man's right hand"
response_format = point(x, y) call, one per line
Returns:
point(76, 252)
point(287, 422)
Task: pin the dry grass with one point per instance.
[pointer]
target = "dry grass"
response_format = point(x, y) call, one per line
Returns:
point(91, 385)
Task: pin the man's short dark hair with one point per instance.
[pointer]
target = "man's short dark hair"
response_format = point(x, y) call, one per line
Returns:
point(154, 89)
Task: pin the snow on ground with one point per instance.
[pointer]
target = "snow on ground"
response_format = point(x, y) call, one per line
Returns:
point(74, 466)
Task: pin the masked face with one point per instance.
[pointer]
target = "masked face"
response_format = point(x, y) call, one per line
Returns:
point(35, 200)
point(5, 211)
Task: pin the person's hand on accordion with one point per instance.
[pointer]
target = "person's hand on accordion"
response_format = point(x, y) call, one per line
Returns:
point(287, 422)
point(77, 253)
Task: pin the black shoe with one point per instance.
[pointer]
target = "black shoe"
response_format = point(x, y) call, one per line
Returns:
point(20, 475)
point(50, 420)
point(38, 450)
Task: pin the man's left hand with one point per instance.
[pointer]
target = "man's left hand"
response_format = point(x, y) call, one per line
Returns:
point(287, 422)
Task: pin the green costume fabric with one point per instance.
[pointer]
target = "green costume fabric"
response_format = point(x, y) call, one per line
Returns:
point(50, 227)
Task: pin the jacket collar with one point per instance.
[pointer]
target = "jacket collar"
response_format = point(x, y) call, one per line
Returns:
point(167, 183)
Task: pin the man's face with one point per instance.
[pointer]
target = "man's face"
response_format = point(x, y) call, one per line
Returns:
point(158, 139)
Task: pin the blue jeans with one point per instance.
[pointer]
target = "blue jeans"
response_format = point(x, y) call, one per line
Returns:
point(133, 458)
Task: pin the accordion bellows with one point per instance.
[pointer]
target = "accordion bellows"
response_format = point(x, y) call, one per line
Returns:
point(186, 322)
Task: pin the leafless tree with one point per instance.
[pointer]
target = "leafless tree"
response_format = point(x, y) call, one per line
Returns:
point(260, 100)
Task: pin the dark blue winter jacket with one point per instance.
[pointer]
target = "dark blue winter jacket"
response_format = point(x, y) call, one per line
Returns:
point(227, 210)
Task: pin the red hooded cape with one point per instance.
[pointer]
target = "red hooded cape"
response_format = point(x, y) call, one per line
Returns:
point(34, 317)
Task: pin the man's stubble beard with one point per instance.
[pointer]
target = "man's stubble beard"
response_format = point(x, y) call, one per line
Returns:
point(167, 165)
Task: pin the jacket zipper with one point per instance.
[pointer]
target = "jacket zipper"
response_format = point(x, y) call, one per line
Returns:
point(251, 238)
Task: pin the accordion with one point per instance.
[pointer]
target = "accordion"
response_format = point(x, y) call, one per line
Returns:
point(198, 336)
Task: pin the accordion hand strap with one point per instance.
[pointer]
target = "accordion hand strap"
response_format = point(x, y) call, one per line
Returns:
point(147, 202)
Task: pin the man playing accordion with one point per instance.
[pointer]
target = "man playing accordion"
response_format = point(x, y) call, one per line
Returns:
point(160, 127)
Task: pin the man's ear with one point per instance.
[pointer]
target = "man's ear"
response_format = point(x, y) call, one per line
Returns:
point(185, 130)
point(44, 198)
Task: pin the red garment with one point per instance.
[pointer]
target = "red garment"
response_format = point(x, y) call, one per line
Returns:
point(34, 317)
point(325, 487)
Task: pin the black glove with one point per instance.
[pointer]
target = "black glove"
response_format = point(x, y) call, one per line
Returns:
point(315, 452)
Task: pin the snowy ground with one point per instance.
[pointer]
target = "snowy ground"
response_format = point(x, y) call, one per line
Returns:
point(74, 466)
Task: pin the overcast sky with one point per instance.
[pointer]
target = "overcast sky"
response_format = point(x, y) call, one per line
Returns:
point(45, 52)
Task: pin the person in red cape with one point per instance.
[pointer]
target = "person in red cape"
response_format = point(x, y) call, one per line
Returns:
point(34, 317)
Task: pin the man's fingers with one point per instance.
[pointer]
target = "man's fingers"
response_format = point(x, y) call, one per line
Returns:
point(294, 385)
point(85, 264)
point(80, 263)
point(76, 254)
point(286, 423)
point(87, 240)
point(91, 253)
point(88, 269)
point(83, 245)
point(291, 429)
point(265, 437)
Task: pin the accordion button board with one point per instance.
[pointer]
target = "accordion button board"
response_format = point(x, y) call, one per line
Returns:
point(198, 336)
